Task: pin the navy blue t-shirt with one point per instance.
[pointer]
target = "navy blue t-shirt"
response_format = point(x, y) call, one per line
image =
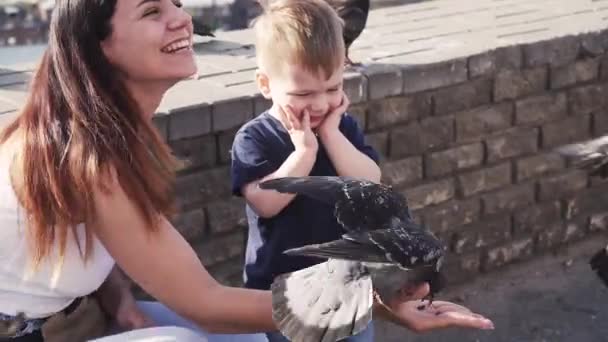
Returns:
point(260, 147)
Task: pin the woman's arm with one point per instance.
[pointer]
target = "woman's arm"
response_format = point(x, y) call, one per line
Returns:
point(165, 265)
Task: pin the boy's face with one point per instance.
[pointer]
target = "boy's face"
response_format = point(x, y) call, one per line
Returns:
point(301, 89)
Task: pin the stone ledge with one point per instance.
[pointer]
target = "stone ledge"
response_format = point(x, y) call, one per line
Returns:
point(405, 49)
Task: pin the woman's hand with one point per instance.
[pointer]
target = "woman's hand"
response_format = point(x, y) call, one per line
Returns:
point(117, 301)
point(408, 310)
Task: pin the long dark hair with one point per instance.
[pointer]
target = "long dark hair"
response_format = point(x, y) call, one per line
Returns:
point(79, 127)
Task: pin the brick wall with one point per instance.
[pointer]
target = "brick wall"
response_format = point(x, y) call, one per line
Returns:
point(468, 141)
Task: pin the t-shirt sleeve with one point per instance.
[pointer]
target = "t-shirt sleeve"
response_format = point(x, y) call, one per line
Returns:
point(352, 132)
point(249, 161)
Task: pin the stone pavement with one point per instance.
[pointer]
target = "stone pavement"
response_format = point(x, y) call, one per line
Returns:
point(409, 34)
point(553, 298)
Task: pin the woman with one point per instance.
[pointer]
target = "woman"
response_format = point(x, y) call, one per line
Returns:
point(85, 182)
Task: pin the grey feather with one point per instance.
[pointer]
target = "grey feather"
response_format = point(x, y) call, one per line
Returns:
point(326, 302)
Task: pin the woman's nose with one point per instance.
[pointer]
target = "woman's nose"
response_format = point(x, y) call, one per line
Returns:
point(179, 19)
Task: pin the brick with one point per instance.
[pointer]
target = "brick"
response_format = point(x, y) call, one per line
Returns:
point(191, 224)
point(476, 123)
point(432, 76)
point(224, 145)
point(587, 99)
point(554, 52)
point(510, 84)
point(552, 187)
point(463, 96)
point(487, 233)
point(535, 218)
point(431, 193)
point(500, 256)
point(231, 113)
point(598, 222)
point(485, 180)
point(600, 123)
point(394, 110)
point(383, 81)
point(260, 104)
point(400, 172)
point(461, 268)
point(488, 63)
point(446, 217)
point(220, 249)
point(550, 237)
point(515, 142)
point(418, 138)
point(536, 166)
point(355, 87)
point(575, 230)
point(229, 272)
point(359, 113)
point(579, 72)
point(508, 199)
point(604, 68)
point(540, 109)
point(161, 122)
point(189, 123)
point(594, 44)
point(227, 215)
point(590, 201)
point(453, 159)
point(566, 131)
point(379, 141)
point(195, 152)
point(203, 186)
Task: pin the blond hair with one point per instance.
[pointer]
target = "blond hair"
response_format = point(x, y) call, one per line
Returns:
point(303, 32)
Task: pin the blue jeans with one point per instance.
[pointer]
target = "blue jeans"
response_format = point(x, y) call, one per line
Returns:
point(367, 335)
point(164, 317)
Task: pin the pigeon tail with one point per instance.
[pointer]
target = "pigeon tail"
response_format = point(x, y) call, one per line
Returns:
point(326, 302)
point(599, 263)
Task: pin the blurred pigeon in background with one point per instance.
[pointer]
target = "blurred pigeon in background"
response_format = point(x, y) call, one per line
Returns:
point(592, 156)
point(354, 13)
point(201, 29)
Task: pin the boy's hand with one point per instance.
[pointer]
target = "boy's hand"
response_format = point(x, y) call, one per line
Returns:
point(302, 137)
point(331, 123)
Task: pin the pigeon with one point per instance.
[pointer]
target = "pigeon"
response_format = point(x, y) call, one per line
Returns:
point(9, 328)
point(354, 13)
point(381, 251)
point(201, 29)
point(599, 264)
point(592, 156)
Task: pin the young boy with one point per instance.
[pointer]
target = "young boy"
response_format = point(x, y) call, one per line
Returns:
point(300, 53)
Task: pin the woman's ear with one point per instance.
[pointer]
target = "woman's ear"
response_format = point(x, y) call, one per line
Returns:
point(263, 83)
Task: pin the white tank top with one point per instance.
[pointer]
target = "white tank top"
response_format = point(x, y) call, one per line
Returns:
point(53, 286)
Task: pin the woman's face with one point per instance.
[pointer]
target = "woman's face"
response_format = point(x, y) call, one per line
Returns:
point(150, 41)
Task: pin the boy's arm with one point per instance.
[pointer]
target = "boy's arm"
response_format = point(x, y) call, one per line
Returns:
point(347, 159)
point(268, 203)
